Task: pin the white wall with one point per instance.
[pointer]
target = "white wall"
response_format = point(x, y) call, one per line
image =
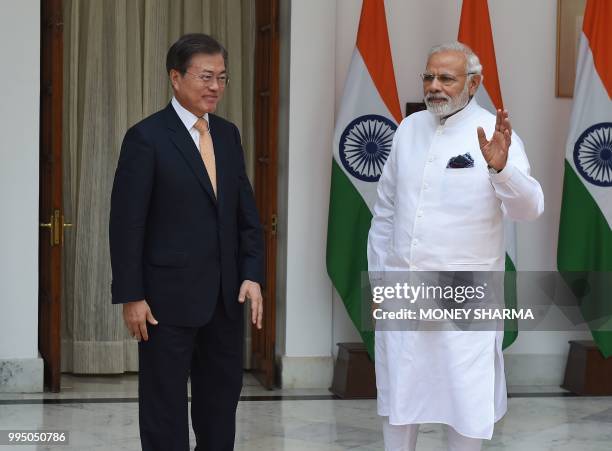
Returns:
point(19, 118)
point(307, 355)
point(310, 125)
point(525, 46)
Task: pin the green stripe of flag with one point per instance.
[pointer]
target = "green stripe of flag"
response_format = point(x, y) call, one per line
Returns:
point(347, 235)
point(510, 325)
point(585, 244)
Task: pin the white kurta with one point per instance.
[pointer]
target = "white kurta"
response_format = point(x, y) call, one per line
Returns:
point(429, 217)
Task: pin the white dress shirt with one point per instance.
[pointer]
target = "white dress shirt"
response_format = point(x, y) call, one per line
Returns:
point(189, 119)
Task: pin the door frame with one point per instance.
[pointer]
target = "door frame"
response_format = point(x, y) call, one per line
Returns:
point(267, 88)
point(50, 191)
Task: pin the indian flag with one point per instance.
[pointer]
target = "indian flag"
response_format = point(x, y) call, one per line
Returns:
point(367, 119)
point(585, 239)
point(475, 32)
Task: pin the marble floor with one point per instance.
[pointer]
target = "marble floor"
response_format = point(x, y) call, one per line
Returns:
point(100, 413)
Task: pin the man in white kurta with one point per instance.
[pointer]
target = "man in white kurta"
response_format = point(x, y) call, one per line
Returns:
point(431, 216)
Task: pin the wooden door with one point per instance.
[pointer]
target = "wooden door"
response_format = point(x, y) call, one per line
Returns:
point(50, 202)
point(266, 166)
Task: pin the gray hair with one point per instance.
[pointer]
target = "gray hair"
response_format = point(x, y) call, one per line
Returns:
point(473, 65)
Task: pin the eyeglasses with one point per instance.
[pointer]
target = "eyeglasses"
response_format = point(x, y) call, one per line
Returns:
point(207, 79)
point(445, 79)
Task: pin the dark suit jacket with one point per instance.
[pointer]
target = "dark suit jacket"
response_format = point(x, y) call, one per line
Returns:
point(171, 242)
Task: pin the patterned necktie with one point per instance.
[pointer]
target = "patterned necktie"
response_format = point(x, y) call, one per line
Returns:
point(207, 151)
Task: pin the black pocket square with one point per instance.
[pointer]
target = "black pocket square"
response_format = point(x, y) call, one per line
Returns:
point(461, 161)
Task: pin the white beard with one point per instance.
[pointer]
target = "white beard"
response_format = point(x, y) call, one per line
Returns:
point(452, 104)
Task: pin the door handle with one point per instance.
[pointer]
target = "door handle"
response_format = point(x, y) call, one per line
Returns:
point(49, 225)
point(56, 226)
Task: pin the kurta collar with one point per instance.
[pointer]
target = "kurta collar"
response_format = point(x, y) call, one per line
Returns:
point(460, 115)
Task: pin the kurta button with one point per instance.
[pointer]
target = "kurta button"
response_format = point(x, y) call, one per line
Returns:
point(420, 213)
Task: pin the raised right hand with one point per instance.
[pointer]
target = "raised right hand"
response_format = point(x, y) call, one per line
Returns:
point(136, 314)
point(495, 151)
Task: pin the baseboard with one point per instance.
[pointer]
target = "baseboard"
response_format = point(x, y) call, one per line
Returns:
point(21, 375)
point(306, 372)
point(535, 369)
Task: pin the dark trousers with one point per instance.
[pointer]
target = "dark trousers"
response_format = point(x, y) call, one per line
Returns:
point(212, 356)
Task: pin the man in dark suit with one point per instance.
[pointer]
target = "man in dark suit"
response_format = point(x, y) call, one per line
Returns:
point(186, 251)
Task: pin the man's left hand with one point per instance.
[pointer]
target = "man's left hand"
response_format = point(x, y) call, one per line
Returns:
point(252, 291)
point(495, 151)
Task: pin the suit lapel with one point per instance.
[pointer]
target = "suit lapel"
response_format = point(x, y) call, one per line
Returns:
point(184, 143)
point(220, 157)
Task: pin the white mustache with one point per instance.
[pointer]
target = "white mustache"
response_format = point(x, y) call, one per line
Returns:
point(437, 97)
